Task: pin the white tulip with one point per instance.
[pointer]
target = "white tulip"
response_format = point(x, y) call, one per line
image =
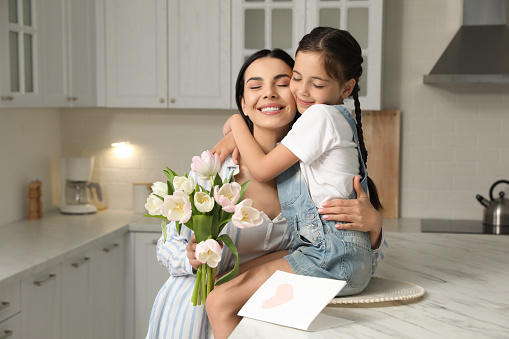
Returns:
point(184, 184)
point(246, 216)
point(160, 188)
point(203, 202)
point(177, 207)
point(153, 205)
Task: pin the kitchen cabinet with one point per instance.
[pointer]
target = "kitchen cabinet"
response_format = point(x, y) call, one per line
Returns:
point(9, 311)
point(72, 53)
point(173, 53)
point(270, 24)
point(77, 306)
point(41, 304)
point(108, 287)
point(83, 297)
point(19, 55)
point(147, 278)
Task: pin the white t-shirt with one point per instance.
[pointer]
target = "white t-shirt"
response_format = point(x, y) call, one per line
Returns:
point(323, 141)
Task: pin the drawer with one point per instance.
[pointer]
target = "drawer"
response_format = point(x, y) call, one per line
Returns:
point(10, 301)
point(11, 328)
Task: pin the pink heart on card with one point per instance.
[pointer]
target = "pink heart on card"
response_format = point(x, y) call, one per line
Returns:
point(284, 293)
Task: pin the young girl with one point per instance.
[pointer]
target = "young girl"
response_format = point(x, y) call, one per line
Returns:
point(320, 156)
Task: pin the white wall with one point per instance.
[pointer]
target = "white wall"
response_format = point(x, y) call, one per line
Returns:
point(29, 149)
point(159, 138)
point(455, 142)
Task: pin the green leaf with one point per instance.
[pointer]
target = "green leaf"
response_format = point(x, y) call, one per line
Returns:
point(217, 181)
point(154, 216)
point(233, 273)
point(171, 190)
point(163, 227)
point(178, 226)
point(230, 179)
point(160, 197)
point(202, 227)
point(243, 189)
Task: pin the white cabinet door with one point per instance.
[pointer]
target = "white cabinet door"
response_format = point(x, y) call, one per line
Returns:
point(149, 277)
point(72, 49)
point(11, 328)
point(199, 53)
point(136, 58)
point(40, 305)
point(363, 19)
point(86, 53)
point(108, 287)
point(77, 310)
point(19, 55)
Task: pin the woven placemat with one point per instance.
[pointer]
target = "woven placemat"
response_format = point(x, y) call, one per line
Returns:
point(380, 290)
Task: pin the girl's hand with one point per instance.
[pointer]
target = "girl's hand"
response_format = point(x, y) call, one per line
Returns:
point(358, 214)
point(191, 249)
point(225, 147)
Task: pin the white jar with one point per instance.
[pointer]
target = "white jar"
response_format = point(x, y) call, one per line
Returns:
point(141, 191)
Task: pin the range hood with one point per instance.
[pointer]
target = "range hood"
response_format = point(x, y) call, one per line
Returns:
point(479, 52)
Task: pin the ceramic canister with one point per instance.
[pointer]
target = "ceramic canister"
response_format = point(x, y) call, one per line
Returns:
point(141, 191)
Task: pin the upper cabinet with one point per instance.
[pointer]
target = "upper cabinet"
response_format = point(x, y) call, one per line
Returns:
point(72, 53)
point(19, 56)
point(165, 53)
point(173, 53)
point(282, 23)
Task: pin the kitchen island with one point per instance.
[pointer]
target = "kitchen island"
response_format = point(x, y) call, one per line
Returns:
point(466, 278)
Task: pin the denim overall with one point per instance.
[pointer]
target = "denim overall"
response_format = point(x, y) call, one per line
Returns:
point(319, 249)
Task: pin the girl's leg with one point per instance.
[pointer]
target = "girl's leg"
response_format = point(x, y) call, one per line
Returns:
point(226, 300)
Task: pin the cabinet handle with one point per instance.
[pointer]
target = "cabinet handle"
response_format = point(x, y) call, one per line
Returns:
point(72, 99)
point(8, 98)
point(41, 282)
point(7, 334)
point(5, 305)
point(154, 242)
point(108, 249)
point(78, 264)
point(161, 100)
point(172, 100)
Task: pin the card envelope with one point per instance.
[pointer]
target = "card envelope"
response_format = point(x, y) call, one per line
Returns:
point(295, 301)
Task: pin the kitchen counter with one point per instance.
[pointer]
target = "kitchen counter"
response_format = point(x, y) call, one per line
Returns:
point(29, 246)
point(467, 294)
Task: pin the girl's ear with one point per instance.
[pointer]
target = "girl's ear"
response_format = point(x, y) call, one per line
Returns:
point(348, 88)
point(243, 105)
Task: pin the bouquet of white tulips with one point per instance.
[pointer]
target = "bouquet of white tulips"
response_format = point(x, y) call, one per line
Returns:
point(206, 213)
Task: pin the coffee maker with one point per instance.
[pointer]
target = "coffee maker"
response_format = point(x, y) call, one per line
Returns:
point(75, 177)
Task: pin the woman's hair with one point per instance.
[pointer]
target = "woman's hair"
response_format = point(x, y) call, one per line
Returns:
point(342, 60)
point(239, 85)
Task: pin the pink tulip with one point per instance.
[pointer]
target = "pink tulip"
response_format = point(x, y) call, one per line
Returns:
point(207, 165)
point(209, 252)
point(227, 196)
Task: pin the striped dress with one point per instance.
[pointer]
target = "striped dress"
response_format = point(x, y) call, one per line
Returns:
point(173, 315)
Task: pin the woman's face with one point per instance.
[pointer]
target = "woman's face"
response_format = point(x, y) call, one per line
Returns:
point(267, 100)
point(311, 84)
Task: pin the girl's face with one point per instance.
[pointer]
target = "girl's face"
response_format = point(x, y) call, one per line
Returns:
point(267, 100)
point(312, 85)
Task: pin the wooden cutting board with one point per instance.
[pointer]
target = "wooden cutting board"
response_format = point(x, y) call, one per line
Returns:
point(382, 139)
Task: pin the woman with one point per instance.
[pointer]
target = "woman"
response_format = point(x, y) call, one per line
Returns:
point(263, 83)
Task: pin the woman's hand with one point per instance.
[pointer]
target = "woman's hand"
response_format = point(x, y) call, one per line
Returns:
point(225, 147)
point(358, 214)
point(191, 253)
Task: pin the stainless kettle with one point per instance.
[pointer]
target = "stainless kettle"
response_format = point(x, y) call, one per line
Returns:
point(496, 212)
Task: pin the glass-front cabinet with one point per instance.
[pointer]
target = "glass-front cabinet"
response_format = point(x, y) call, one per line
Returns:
point(19, 61)
point(269, 24)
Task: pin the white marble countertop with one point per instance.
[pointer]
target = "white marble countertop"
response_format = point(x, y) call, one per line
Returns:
point(466, 278)
point(30, 246)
